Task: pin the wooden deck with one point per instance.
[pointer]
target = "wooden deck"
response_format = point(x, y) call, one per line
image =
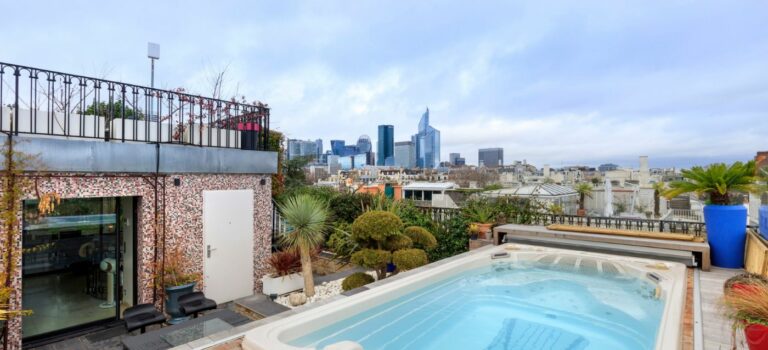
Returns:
point(716, 328)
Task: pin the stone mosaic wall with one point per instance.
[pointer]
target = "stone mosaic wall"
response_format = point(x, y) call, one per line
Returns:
point(182, 207)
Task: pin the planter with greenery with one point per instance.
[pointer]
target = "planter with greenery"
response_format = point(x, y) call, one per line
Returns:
point(584, 190)
point(176, 281)
point(473, 229)
point(482, 213)
point(746, 304)
point(726, 221)
point(308, 217)
point(762, 191)
point(285, 276)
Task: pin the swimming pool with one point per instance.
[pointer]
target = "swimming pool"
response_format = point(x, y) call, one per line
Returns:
point(536, 298)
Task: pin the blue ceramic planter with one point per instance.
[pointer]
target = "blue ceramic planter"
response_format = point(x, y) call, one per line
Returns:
point(172, 295)
point(763, 221)
point(726, 233)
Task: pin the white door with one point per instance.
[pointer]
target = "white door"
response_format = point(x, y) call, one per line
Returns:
point(228, 244)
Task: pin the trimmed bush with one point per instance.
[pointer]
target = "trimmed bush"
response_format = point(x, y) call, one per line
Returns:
point(421, 237)
point(398, 242)
point(375, 226)
point(408, 259)
point(356, 280)
point(372, 258)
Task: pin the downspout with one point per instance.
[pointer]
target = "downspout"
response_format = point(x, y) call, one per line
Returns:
point(157, 219)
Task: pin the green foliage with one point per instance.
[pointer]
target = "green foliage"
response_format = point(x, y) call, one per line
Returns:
point(340, 241)
point(480, 210)
point(323, 193)
point(356, 280)
point(102, 109)
point(307, 216)
point(493, 187)
point(397, 242)
point(275, 144)
point(372, 258)
point(414, 216)
point(717, 180)
point(293, 172)
point(519, 210)
point(408, 259)
point(347, 207)
point(375, 227)
point(452, 238)
point(421, 238)
point(584, 190)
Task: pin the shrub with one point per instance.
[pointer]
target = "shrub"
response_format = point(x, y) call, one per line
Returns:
point(356, 280)
point(340, 241)
point(413, 215)
point(452, 238)
point(373, 259)
point(421, 238)
point(397, 242)
point(375, 226)
point(284, 263)
point(347, 207)
point(408, 259)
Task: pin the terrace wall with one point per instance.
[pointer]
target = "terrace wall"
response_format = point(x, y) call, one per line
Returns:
point(183, 213)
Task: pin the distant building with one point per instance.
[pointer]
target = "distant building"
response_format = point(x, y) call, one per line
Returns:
point(431, 194)
point(338, 147)
point(456, 159)
point(385, 152)
point(566, 198)
point(490, 157)
point(405, 154)
point(607, 167)
point(301, 148)
point(427, 143)
point(364, 144)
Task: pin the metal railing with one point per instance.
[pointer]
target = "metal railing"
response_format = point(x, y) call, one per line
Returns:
point(695, 228)
point(684, 215)
point(279, 226)
point(43, 102)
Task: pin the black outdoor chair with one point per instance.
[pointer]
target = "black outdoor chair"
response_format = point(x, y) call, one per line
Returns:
point(141, 316)
point(194, 303)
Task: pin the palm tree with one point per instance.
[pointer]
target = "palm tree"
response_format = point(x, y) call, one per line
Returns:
point(307, 217)
point(584, 190)
point(658, 189)
point(717, 180)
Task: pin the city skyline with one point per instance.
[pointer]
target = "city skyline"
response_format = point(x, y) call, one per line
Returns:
point(632, 83)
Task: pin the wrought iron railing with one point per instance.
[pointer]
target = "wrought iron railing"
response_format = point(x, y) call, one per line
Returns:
point(697, 229)
point(43, 102)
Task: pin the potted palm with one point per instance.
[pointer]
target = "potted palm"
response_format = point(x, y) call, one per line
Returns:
point(482, 214)
point(746, 304)
point(307, 216)
point(176, 281)
point(584, 190)
point(726, 222)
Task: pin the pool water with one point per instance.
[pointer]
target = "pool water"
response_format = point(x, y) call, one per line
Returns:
point(509, 305)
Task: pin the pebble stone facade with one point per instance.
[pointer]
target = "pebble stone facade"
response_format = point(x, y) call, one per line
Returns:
point(183, 209)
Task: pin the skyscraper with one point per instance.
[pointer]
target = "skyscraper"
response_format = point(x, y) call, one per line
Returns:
point(301, 148)
point(337, 147)
point(490, 157)
point(456, 159)
point(385, 152)
point(405, 154)
point(427, 143)
point(364, 144)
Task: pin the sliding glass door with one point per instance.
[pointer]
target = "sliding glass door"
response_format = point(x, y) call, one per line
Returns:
point(71, 263)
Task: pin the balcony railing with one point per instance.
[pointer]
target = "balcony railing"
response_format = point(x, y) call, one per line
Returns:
point(695, 228)
point(42, 102)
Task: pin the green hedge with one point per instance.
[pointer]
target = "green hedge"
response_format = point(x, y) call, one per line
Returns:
point(356, 280)
point(408, 259)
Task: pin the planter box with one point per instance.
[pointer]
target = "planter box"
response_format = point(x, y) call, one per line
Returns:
point(282, 285)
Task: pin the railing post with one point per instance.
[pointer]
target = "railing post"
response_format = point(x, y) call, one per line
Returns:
point(15, 126)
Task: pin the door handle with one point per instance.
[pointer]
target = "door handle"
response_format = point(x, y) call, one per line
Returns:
point(210, 250)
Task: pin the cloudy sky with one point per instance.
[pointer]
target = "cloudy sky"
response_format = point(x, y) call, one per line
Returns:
point(567, 82)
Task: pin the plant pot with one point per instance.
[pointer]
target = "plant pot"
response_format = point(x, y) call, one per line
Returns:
point(172, 295)
point(483, 230)
point(756, 336)
point(282, 284)
point(473, 236)
point(763, 222)
point(726, 233)
point(581, 212)
point(391, 267)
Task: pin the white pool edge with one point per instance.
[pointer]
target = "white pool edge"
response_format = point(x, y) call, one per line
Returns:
point(673, 284)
